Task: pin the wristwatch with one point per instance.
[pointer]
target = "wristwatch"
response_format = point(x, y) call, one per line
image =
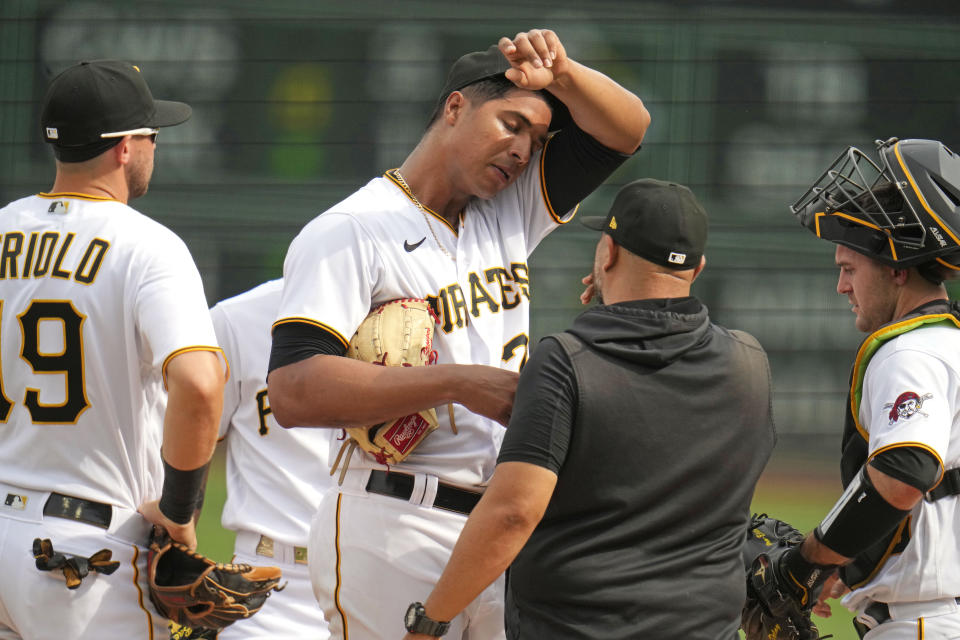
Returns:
point(416, 621)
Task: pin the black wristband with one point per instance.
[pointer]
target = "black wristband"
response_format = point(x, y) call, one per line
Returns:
point(182, 490)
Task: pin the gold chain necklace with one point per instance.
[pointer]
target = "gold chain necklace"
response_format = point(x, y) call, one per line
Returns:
point(426, 217)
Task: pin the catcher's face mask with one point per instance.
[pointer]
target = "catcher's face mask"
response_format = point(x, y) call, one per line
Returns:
point(903, 212)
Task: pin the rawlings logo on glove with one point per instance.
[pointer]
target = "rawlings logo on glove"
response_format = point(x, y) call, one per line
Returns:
point(398, 333)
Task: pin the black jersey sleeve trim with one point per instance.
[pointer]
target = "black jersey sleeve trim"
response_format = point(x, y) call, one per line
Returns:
point(294, 341)
point(911, 463)
point(573, 164)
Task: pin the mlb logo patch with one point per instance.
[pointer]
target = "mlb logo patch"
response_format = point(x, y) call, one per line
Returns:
point(52, 133)
point(677, 258)
point(15, 501)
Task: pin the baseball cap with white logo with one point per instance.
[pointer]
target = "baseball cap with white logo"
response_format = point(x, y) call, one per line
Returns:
point(659, 221)
point(91, 105)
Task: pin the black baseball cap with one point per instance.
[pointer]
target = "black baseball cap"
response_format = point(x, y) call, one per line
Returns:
point(659, 221)
point(91, 105)
point(481, 65)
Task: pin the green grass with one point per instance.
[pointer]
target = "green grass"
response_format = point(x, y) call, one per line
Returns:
point(801, 495)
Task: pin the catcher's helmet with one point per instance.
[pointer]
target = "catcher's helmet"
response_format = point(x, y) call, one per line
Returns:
point(905, 214)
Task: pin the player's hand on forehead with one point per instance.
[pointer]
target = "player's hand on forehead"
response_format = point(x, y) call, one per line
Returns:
point(535, 57)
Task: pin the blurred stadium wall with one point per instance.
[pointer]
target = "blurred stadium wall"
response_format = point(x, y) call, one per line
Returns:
point(298, 102)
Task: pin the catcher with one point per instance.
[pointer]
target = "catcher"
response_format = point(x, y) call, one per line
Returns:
point(891, 536)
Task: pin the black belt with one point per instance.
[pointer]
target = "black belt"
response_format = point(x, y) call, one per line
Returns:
point(949, 486)
point(95, 513)
point(880, 612)
point(400, 485)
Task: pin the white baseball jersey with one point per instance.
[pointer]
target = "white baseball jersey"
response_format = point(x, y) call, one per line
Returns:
point(911, 396)
point(96, 298)
point(377, 245)
point(275, 476)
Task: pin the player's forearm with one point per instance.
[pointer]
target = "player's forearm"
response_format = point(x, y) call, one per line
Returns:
point(496, 531)
point(899, 498)
point(332, 391)
point(607, 111)
point(195, 399)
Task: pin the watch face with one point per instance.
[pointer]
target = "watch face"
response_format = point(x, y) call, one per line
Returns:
point(414, 611)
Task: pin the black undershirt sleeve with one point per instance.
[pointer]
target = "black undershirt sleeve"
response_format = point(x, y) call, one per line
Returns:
point(544, 410)
point(910, 465)
point(296, 341)
point(574, 164)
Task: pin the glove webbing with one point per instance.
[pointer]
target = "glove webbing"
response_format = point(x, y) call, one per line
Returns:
point(74, 568)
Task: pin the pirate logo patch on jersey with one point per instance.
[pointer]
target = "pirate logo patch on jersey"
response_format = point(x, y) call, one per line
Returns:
point(906, 406)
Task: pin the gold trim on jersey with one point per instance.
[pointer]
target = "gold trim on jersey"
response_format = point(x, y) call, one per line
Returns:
point(316, 323)
point(543, 189)
point(389, 175)
point(136, 583)
point(216, 350)
point(873, 342)
point(916, 445)
point(76, 196)
point(336, 590)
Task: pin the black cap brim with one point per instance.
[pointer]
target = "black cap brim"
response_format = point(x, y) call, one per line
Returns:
point(169, 113)
point(597, 223)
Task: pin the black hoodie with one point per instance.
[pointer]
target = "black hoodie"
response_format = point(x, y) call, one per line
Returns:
point(658, 424)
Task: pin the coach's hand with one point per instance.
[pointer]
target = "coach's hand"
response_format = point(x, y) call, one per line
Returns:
point(537, 58)
point(185, 534)
point(588, 293)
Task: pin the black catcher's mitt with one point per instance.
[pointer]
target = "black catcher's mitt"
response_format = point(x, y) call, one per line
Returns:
point(197, 592)
point(777, 608)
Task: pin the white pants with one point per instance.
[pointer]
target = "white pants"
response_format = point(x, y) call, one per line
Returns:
point(372, 555)
point(37, 605)
point(291, 613)
point(920, 621)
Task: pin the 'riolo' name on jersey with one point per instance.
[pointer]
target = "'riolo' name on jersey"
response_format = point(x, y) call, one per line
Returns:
point(507, 288)
point(46, 255)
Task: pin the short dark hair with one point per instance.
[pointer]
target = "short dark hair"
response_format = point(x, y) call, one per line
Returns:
point(483, 91)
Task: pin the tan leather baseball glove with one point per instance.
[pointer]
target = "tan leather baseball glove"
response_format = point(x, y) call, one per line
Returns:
point(398, 333)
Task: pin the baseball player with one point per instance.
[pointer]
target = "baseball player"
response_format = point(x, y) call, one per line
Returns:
point(108, 353)
point(275, 476)
point(454, 224)
point(893, 532)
